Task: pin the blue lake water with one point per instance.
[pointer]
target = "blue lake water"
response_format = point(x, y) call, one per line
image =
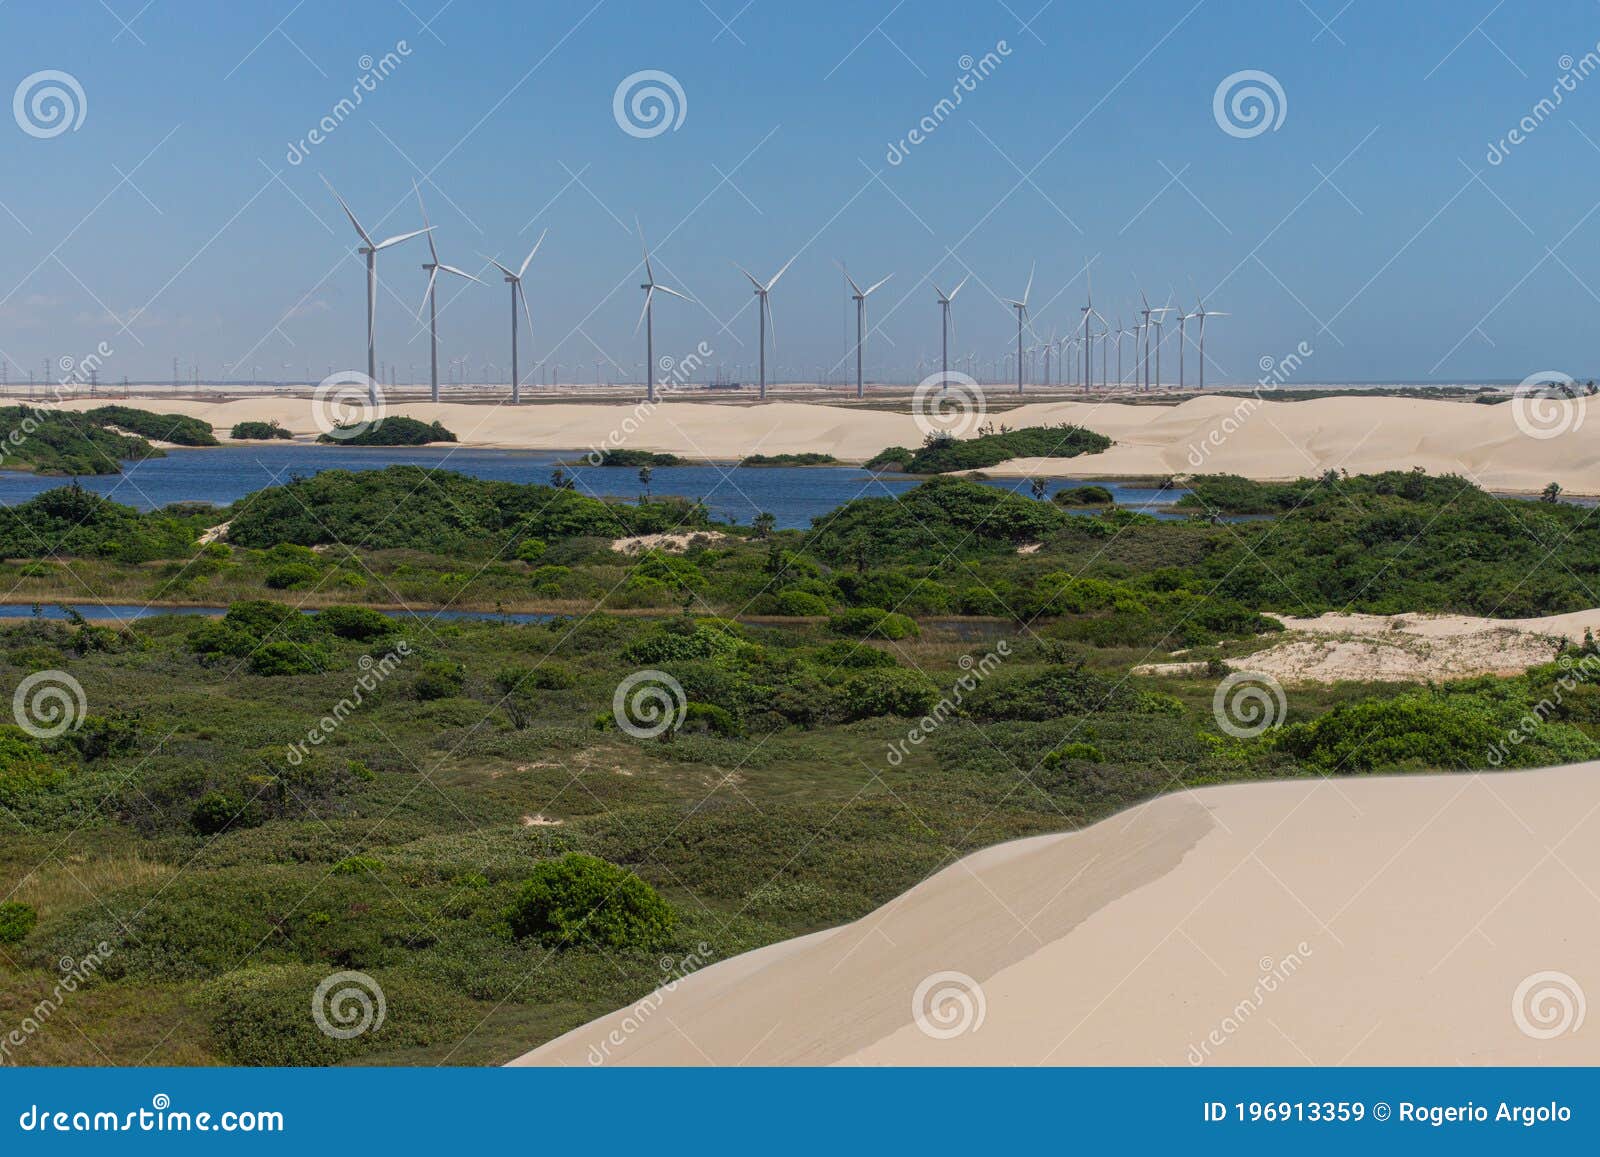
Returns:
point(793, 494)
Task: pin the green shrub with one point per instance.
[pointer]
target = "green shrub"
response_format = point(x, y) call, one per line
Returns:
point(708, 717)
point(873, 622)
point(16, 921)
point(581, 899)
point(284, 657)
point(1083, 496)
point(218, 811)
point(685, 638)
point(292, 576)
point(547, 676)
point(797, 602)
point(258, 432)
point(25, 769)
point(440, 679)
point(885, 692)
point(359, 623)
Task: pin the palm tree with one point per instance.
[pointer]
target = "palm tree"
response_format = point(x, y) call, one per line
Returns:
point(764, 524)
point(1551, 493)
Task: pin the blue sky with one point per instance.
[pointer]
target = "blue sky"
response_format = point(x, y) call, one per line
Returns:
point(1369, 224)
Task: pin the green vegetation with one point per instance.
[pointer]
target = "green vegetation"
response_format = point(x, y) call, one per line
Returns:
point(16, 921)
point(179, 429)
point(583, 900)
point(807, 459)
point(1083, 496)
point(634, 458)
point(390, 430)
point(942, 453)
point(259, 432)
point(63, 442)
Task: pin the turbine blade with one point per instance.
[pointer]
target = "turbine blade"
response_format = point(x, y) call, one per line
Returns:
point(1029, 288)
point(522, 294)
point(673, 292)
point(648, 294)
point(432, 273)
point(782, 271)
point(529, 258)
point(772, 325)
point(432, 252)
point(347, 212)
point(959, 284)
point(459, 272)
point(848, 278)
point(876, 284)
point(402, 237)
point(943, 296)
point(498, 266)
point(746, 272)
point(648, 274)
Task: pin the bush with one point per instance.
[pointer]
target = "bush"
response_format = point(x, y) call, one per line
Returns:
point(292, 576)
point(16, 921)
point(258, 432)
point(358, 623)
point(581, 899)
point(1083, 496)
point(685, 638)
point(798, 602)
point(218, 811)
point(283, 657)
point(885, 692)
point(25, 769)
point(440, 679)
point(868, 622)
point(547, 676)
point(710, 718)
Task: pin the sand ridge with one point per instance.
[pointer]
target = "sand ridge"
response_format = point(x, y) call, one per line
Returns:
point(1274, 440)
point(1376, 920)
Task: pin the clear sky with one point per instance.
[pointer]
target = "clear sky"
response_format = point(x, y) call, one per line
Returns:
point(1370, 223)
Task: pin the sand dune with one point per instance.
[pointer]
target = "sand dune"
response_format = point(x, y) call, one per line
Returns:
point(1392, 920)
point(1332, 647)
point(1267, 440)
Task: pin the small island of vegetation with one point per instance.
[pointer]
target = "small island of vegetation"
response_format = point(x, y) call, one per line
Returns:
point(258, 432)
point(942, 453)
point(807, 459)
point(392, 430)
point(178, 429)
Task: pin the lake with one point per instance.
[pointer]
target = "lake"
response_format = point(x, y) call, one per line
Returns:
point(793, 494)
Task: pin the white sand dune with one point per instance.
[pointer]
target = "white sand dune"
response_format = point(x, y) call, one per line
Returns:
point(1377, 921)
point(1333, 647)
point(1267, 440)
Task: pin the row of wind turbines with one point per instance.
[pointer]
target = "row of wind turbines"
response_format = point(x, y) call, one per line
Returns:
point(1149, 321)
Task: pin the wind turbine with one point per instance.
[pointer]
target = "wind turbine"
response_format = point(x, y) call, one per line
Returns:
point(944, 330)
point(765, 309)
point(1120, 332)
point(1158, 314)
point(1145, 326)
point(1022, 316)
point(369, 249)
point(1088, 311)
point(860, 298)
point(517, 292)
point(1182, 318)
point(430, 295)
point(647, 318)
point(1202, 313)
point(1047, 346)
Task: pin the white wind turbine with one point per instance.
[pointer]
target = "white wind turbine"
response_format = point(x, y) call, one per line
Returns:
point(1088, 311)
point(647, 317)
point(1158, 314)
point(1144, 327)
point(430, 296)
point(1182, 319)
point(518, 293)
point(1022, 317)
point(1202, 313)
point(369, 249)
point(944, 330)
point(859, 296)
point(765, 310)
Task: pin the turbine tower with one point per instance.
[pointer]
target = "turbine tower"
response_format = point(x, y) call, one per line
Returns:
point(430, 296)
point(944, 330)
point(765, 309)
point(1182, 319)
point(369, 249)
point(1158, 314)
point(518, 294)
point(647, 317)
point(1022, 316)
point(1202, 313)
point(859, 296)
point(1089, 311)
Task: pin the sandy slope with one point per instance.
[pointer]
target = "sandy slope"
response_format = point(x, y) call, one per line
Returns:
point(1332, 647)
point(1358, 921)
point(1275, 440)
